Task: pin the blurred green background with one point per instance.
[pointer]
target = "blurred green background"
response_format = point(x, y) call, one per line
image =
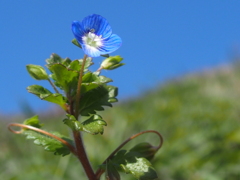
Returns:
point(198, 116)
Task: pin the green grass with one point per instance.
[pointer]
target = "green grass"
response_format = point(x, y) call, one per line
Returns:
point(198, 116)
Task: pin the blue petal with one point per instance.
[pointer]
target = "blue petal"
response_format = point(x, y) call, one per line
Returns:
point(97, 23)
point(78, 31)
point(111, 44)
point(91, 51)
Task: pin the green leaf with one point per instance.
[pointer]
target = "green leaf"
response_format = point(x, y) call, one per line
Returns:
point(65, 78)
point(139, 167)
point(33, 121)
point(145, 150)
point(77, 64)
point(92, 80)
point(71, 122)
point(93, 77)
point(55, 98)
point(56, 59)
point(46, 95)
point(38, 90)
point(94, 125)
point(93, 100)
point(37, 72)
point(111, 172)
point(49, 144)
point(105, 55)
point(75, 42)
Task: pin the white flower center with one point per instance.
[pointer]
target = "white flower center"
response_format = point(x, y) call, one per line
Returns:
point(92, 40)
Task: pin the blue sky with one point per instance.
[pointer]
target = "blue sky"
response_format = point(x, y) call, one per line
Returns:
point(161, 40)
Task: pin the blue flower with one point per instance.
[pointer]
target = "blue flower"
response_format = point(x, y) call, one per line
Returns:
point(95, 36)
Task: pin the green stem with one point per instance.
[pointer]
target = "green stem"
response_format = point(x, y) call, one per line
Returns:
point(81, 153)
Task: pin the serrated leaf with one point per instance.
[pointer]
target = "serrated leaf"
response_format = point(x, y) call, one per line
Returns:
point(92, 77)
point(55, 98)
point(94, 125)
point(38, 90)
point(92, 80)
point(74, 65)
point(46, 95)
point(56, 59)
point(66, 79)
point(85, 87)
point(131, 162)
point(71, 122)
point(93, 100)
point(33, 121)
point(140, 168)
point(77, 64)
point(49, 143)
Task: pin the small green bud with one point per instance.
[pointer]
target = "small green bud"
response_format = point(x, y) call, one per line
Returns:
point(37, 72)
point(112, 62)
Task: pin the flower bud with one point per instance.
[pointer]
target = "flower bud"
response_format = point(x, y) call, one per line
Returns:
point(112, 62)
point(37, 72)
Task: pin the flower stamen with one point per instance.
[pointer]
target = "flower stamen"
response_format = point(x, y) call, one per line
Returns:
point(92, 39)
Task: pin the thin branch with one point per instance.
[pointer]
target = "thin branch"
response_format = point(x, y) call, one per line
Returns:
point(54, 87)
point(99, 69)
point(71, 148)
point(101, 171)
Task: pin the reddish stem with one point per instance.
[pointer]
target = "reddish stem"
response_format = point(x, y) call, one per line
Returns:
point(71, 148)
point(78, 95)
point(101, 171)
point(81, 153)
point(82, 156)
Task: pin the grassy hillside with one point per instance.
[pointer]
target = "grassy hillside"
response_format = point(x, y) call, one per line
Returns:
point(198, 116)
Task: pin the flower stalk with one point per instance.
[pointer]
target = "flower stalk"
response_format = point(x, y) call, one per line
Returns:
point(54, 87)
point(80, 150)
point(100, 171)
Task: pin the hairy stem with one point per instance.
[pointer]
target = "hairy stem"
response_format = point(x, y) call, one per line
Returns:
point(54, 87)
point(81, 153)
point(101, 171)
point(82, 156)
point(78, 95)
